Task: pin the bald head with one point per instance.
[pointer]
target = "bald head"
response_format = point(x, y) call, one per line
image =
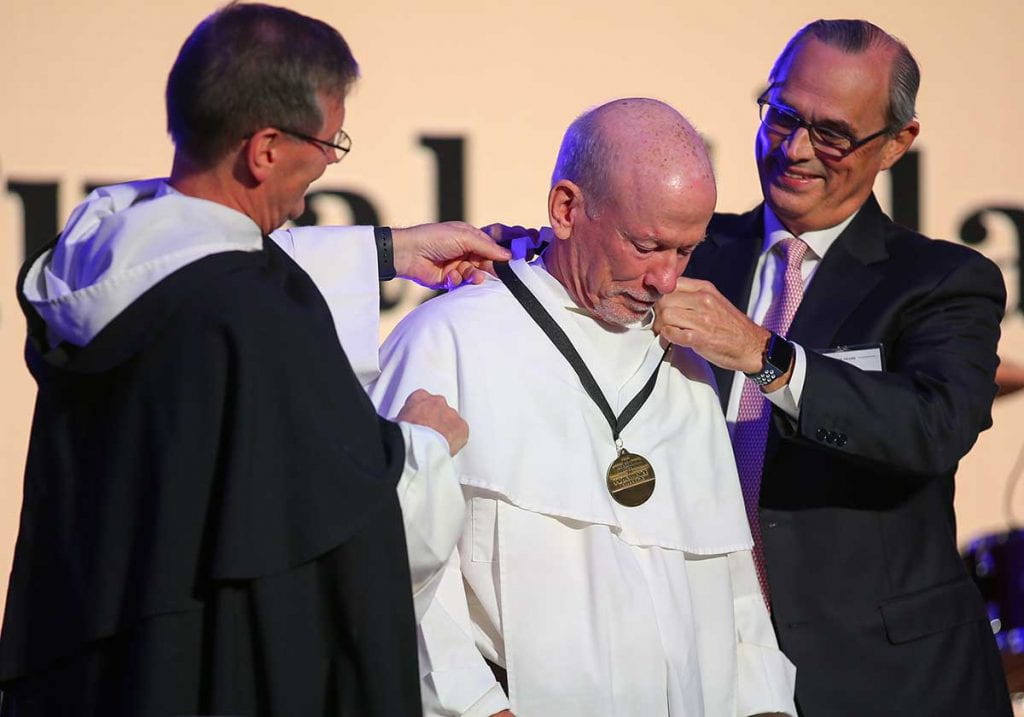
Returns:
point(628, 142)
point(630, 199)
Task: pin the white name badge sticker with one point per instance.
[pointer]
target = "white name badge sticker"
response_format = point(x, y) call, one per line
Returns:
point(866, 358)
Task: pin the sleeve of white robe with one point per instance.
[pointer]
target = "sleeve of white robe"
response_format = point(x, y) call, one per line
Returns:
point(342, 262)
point(766, 679)
point(432, 509)
point(455, 679)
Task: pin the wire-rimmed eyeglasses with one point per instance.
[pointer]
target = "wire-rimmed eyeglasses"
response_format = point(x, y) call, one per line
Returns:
point(341, 143)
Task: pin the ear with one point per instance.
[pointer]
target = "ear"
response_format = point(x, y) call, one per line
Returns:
point(896, 147)
point(262, 152)
point(565, 206)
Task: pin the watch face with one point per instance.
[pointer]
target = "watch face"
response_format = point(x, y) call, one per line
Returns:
point(778, 355)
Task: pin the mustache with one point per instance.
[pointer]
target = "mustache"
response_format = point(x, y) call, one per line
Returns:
point(648, 297)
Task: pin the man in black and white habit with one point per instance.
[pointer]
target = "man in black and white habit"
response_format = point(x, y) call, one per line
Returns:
point(210, 520)
point(605, 566)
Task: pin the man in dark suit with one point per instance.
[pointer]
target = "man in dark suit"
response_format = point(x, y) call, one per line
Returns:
point(869, 355)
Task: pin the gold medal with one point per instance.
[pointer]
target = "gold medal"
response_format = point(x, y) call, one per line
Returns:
point(630, 479)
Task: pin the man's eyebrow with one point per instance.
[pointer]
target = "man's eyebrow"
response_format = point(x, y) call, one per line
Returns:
point(693, 247)
point(635, 239)
point(839, 125)
point(827, 123)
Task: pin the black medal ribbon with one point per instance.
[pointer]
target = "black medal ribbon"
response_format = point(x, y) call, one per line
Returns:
point(554, 332)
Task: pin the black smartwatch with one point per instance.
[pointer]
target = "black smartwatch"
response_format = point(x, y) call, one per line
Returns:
point(775, 360)
point(385, 254)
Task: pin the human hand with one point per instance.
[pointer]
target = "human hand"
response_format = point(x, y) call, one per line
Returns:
point(1009, 377)
point(696, 315)
point(445, 255)
point(525, 243)
point(504, 234)
point(433, 411)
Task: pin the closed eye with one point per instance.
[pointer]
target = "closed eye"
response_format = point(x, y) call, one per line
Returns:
point(687, 250)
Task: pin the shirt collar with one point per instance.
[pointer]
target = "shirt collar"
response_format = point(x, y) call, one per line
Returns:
point(818, 241)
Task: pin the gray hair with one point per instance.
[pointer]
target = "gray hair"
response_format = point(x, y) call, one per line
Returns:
point(584, 159)
point(249, 66)
point(855, 37)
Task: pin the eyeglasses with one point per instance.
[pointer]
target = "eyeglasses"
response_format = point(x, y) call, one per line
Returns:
point(827, 141)
point(341, 143)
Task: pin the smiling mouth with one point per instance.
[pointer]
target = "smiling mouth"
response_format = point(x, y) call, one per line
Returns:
point(790, 178)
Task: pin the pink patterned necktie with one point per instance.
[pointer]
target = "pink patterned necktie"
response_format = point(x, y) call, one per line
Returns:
point(750, 435)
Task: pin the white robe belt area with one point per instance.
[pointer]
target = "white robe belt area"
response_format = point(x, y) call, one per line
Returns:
point(594, 608)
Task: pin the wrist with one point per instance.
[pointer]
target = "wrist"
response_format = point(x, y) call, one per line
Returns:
point(776, 363)
point(754, 359)
point(401, 245)
point(386, 261)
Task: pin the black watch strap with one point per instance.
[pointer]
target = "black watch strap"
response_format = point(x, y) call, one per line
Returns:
point(385, 253)
point(775, 360)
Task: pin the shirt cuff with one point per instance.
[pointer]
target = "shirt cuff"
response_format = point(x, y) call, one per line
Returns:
point(787, 398)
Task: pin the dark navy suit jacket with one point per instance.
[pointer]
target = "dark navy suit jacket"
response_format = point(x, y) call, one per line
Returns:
point(869, 596)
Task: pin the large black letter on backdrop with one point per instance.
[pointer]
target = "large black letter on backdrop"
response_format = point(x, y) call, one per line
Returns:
point(450, 153)
point(906, 191)
point(363, 213)
point(39, 200)
point(973, 232)
point(451, 176)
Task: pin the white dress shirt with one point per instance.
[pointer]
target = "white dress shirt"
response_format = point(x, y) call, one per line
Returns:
point(768, 278)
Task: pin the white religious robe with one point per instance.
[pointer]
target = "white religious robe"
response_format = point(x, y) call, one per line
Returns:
point(592, 607)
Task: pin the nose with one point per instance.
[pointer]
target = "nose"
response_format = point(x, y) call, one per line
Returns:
point(662, 277)
point(797, 145)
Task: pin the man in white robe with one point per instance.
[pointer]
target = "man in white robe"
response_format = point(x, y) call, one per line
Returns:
point(210, 524)
point(589, 607)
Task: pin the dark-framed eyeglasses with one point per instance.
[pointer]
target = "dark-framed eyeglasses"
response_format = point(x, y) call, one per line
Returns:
point(827, 141)
point(341, 143)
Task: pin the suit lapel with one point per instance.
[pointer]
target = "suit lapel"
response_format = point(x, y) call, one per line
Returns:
point(844, 278)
